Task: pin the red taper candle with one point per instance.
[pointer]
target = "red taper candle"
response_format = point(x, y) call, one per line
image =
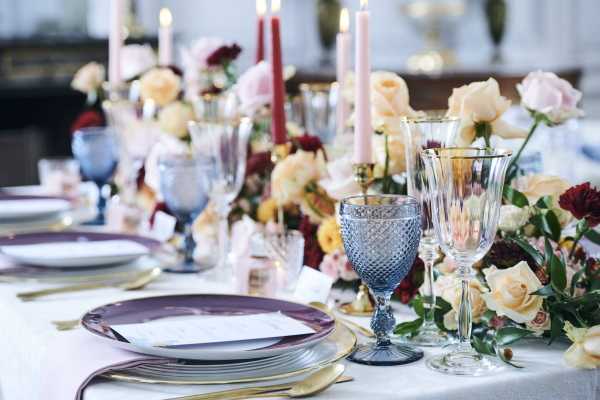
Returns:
point(278, 129)
point(261, 10)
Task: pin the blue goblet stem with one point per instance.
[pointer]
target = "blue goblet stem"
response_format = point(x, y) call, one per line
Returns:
point(383, 320)
point(188, 245)
point(101, 205)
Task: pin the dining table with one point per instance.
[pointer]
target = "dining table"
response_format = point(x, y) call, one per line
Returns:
point(28, 335)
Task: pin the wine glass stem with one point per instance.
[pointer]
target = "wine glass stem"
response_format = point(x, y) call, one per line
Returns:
point(464, 312)
point(189, 245)
point(428, 256)
point(223, 239)
point(383, 320)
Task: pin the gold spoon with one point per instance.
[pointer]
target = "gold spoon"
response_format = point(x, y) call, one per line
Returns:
point(138, 281)
point(323, 307)
point(312, 384)
point(66, 325)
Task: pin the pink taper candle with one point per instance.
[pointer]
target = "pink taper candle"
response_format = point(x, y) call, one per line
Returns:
point(343, 65)
point(115, 42)
point(165, 38)
point(363, 131)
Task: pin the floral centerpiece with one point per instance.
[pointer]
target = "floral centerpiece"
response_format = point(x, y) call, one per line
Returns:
point(536, 280)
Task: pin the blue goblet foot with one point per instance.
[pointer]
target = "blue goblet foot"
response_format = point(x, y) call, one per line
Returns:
point(390, 354)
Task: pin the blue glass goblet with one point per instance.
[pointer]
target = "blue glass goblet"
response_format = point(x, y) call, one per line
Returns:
point(185, 183)
point(96, 149)
point(381, 236)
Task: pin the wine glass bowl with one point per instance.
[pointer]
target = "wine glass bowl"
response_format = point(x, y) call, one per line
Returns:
point(432, 130)
point(381, 238)
point(96, 150)
point(465, 190)
point(185, 187)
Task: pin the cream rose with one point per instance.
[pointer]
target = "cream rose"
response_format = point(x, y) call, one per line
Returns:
point(481, 102)
point(160, 85)
point(174, 118)
point(397, 153)
point(546, 93)
point(511, 292)
point(585, 350)
point(512, 218)
point(290, 177)
point(136, 59)
point(536, 186)
point(89, 77)
point(389, 102)
point(340, 182)
point(448, 287)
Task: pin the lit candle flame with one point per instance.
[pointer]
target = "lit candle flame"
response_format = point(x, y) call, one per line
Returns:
point(275, 6)
point(364, 4)
point(344, 20)
point(165, 17)
point(261, 7)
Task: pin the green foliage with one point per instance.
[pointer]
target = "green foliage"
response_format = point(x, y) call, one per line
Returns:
point(514, 197)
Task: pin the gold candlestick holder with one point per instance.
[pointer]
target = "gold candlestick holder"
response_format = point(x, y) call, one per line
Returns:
point(362, 305)
point(278, 154)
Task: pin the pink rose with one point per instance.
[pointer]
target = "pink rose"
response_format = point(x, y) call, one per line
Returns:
point(255, 88)
point(330, 265)
point(546, 93)
point(196, 56)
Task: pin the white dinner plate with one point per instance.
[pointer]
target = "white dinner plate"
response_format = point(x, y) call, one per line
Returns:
point(23, 208)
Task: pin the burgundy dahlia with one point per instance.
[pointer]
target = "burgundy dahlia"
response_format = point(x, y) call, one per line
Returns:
point(224, 54)
point(313, 255)
point(308, 143)
point(259, 163)
point(583, 201)
point(87, 119)
point(410, 285)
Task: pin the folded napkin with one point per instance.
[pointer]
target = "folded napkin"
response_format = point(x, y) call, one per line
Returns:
point(75, 357)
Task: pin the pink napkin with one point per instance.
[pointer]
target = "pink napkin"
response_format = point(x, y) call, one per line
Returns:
point(74, 358)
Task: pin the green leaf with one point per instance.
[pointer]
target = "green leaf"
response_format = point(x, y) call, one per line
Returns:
point(556, 327)
point(544, 202)
point(530, 250)
point(552, 225)
point(409, 327)
point(417, 305)
point(511, 334)
point(558, 274)
point(487, 316)
point(548, 251)
point(441, 308)
point(593, 236)
point(515, 197)
point(546, 291)
point(483, 346)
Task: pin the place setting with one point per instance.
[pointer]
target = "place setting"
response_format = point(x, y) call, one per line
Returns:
point(220, 225)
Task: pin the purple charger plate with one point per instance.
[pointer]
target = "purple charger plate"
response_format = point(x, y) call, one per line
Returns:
point(99, 320)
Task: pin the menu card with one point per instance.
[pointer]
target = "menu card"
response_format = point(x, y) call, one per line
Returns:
point(212, 329)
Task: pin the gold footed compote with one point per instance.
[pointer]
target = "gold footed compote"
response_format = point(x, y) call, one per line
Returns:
point(465, 190)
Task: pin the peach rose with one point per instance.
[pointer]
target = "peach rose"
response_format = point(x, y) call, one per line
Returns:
point(510, 292)
point(585, 350)
point(160, 85)
point(89, 77)
point(290, 177)
point(481, 102)
point(174, 118)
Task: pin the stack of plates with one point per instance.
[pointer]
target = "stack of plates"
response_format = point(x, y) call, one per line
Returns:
point(246, 361)
point(28, 213)
point(72, 254)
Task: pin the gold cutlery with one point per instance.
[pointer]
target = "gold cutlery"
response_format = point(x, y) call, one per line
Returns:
point(361, 329)
point(312, 384)
point(66, 325)
point(138, 281)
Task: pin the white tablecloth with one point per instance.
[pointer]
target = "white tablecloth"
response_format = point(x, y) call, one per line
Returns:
point(26, 329)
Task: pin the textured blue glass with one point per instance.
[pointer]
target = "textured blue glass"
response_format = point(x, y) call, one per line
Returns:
point(381, 238)
point(97, 151)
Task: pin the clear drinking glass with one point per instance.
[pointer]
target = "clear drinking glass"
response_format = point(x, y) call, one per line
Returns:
point(434, 130)
point(287, 250)
point(60, 176)
point(185, 185)
point(226, 143)
point(216, 108)
point(465, 189)
point(96, 149)
point(381, 236)
point(319, 110)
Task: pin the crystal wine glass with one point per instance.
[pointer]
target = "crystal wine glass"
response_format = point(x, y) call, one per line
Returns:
point(434, 130)
point(227, 144)
point(319, 109)
point(96, 149)
point(465, 189)
point(381, 236)
point(185, 185)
